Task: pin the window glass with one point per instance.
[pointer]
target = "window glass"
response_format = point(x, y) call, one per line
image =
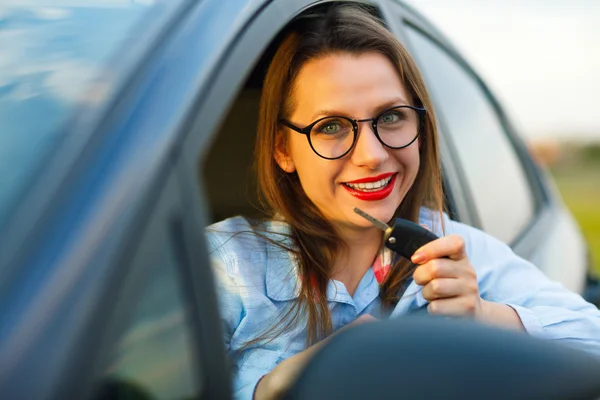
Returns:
point(154, 358)
point(495, 175)
point(53, 61)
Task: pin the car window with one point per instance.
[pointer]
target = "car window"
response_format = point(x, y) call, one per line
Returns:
point(153, 357)
point(51, 59)
point(496, 178)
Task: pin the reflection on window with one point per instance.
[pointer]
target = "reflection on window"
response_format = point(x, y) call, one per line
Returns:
point(153, 358)
point(495, 175)
point(55, 60)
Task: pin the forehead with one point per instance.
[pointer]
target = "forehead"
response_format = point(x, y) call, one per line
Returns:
point(346, 82)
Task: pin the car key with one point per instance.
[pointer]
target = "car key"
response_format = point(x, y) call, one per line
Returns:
point(405, 237)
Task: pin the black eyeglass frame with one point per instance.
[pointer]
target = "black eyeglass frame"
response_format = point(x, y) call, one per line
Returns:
point(421, 112)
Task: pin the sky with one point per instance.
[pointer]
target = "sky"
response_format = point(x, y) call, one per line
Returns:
point(540, 58)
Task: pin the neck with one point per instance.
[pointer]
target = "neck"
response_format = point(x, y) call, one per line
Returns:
point(361, 248)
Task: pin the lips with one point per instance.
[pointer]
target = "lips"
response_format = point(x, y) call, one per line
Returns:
point(372, 179)
point(372, 195)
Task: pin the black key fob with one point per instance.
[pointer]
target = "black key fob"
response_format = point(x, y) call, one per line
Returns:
point(406, 237)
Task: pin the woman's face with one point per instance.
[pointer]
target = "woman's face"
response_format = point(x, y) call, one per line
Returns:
point(358, 87)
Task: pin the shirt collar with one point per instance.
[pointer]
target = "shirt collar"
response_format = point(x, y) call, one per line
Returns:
point(282, 274)
point(282, 279)
point(283, 282)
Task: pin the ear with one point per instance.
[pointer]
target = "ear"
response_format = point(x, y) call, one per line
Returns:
point(283, 158)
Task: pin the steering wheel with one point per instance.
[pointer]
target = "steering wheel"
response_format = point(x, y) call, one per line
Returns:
point(419, 357)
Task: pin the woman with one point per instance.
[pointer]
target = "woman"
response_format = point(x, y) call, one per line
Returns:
point(345, 121)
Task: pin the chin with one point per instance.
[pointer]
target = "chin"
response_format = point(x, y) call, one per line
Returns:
point(386, 216)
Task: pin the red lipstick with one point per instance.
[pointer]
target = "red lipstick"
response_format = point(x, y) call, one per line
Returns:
point(374, 195)
point(372, 179)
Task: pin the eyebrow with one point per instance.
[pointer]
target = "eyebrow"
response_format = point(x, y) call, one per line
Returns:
point(396, 101)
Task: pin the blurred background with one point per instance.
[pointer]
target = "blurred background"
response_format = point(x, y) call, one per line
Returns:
point(542, 61)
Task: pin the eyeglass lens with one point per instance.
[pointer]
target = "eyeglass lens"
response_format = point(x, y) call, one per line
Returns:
point(333, 137)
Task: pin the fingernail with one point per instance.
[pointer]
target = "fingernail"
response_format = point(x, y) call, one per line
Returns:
point(417, 257)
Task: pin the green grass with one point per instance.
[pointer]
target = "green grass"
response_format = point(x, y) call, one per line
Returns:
point(579, 185)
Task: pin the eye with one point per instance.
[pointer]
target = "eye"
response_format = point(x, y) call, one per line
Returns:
point(390, 117)
point(330, 127)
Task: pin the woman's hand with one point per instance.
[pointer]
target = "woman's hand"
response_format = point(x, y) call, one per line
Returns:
point(449, 281)
point(274, 385)
point(450, 284)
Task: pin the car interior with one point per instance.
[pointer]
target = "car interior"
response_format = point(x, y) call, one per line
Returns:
point(228, 174)
point(227, 171)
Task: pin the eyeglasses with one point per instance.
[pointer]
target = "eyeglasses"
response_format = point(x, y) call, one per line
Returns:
point(333, 137)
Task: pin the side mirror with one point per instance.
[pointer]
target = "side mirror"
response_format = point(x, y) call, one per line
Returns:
point(420, 357)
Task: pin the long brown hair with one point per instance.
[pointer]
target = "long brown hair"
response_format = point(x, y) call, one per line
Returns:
point(345, 28)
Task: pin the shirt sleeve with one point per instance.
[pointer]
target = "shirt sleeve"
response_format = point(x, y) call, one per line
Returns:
point(251, 367)
point(248, 365)
point(546, 308)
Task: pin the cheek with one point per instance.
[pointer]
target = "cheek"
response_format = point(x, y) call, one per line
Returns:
point(317, 175)
point(416, 158)
point(415, 162)
point(301, 155)
point(410, 161)
point(409, 158)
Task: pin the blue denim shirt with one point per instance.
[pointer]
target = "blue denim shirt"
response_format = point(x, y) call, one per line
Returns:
point(257, 282)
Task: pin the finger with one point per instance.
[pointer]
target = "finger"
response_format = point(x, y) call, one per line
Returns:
point(452, 246)
point(435, 269)
point(442, 288)
point(454, 306)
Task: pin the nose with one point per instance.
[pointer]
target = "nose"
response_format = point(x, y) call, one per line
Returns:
point(368, 150)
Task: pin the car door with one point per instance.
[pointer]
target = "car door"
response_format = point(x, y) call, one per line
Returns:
point(149, 345)
point(105, 289)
